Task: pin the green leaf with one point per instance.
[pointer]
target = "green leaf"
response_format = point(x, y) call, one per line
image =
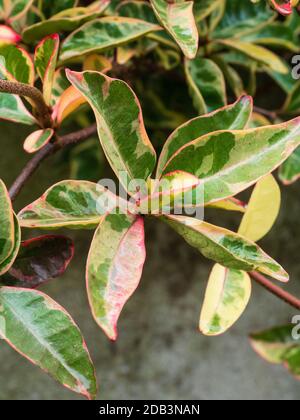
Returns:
point(292, 104)
point(60, 85)
point(8, 262)
point(231, 117)
point(228, 162)
point(179, 21)
point(40, 260)
point(121, 128)
point(240, 18)
point(102, 34)
point(227, 296)
point(72, 204)
point(258, 53)
point(290, 170)
point(274, 35)
point(52, 7)
point(7, 228)
point(64, 21)
point(42, 331)
point(13, 109)
point(38, 139)
point(18, 64)
point(206, 83)
point(262, 210)
point(114, 268)
point(225, 247)
point(278, 346)
point(14, 9)
point(204, 8)
point(143, 10)
point(45, 60)
point(231, 75)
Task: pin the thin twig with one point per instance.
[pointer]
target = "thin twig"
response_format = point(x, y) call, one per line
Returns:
point(45, 152)
point(42, 110)
point(275, 290)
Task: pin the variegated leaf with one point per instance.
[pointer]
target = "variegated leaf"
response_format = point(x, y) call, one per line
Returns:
point(12, 10)
point(64, 21)
point(206, 83)
point(262, 210)
point(178, 19)
point(232, 117)
point(114, 268)
point(8, 262)
point(38, 139)
point(73, 204)
point(240, 18)
point(13, 109)
point(225, 247)
point(45, 59)
point(120, 124)
point(290, 170)
point(279, 346)
point(258, 53)
point(228, 162)
point(7, 228)
point(227, 295)
point(18, 64)
point(104, 33)
point(39, 260)
point(42, 331)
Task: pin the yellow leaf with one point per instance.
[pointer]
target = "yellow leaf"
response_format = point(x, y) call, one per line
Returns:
point(263, 209)
point(227, 296)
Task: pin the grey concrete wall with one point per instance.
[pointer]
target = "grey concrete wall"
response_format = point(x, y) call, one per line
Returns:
point(160, 354)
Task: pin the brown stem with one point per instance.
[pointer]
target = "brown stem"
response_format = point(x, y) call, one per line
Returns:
point(45, 152)
point(42, 110)
point(269, 114)
point(275, 290)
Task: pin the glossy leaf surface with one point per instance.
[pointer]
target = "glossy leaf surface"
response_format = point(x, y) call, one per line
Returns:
point(278, 346)
point(206, 83)
point(114, 268)
point(45, 63)
point(228, 162)
point(227, 296)
point(38, 139)
point(42, 331)
point(225, 247)
point(40, 260)
point(75, 204)
point(232, 117)
point(179, 21)
point(120, 123)
point(7, 230)
point(104, 33)
point(262, 210)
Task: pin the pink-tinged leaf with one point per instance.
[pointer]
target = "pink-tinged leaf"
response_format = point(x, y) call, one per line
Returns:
point(8, 35)
point(37, 140)
point(44, 333)
point(70, 100)
point(114, 268)
point(45, 62)
point(40, 260)
point(284, 7)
